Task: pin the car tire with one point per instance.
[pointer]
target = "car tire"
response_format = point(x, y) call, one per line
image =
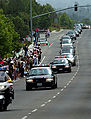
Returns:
point(4, 107)
point(56, 85)
point(28, 88)
point(69, 70)
point(74, 64)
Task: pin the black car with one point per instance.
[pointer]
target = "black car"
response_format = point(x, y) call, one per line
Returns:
point(41, 76)
point(61, 64)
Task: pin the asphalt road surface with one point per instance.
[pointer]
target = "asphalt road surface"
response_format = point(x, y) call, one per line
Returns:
point(72, 98)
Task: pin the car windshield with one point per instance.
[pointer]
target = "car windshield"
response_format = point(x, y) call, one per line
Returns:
point(66, 38)
point(2, 76)
point(59, 61)
point(64, 50)
point(66, 41)
point(36, 72)
point(68, 55)
point(70, 32)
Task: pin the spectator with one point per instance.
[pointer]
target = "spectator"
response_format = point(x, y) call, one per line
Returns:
point(26, 49)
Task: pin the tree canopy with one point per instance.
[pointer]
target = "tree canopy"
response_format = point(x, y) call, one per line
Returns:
point(8, 36)
point(65, 21)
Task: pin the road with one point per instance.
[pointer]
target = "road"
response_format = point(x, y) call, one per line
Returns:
point(72, 98)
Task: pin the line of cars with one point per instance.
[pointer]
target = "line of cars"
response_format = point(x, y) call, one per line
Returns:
point(46, 75)
point(67, 57)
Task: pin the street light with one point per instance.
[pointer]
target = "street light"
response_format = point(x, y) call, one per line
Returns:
point(31, 18)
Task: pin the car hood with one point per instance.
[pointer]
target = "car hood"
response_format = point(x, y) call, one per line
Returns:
point(58, 64)
point(39, 77)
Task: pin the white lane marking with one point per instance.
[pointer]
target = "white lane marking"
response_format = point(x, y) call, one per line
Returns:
point(42, 60)
point(49, 100)
point(34, 110)
point(25, 117)
point(42, 105)
point(62, 89)
point(58, 93)
point(65, 86)
point(29, 113)
point(69, 81)
point(72, 79)
point(54, 96)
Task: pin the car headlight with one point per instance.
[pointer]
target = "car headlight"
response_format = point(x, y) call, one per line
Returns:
point(49, 80)
point(53, 66)
point(66, 66)
point(2, 87)
point(30, 80)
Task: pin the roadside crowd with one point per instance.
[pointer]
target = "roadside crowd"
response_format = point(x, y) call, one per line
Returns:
point(19, 66)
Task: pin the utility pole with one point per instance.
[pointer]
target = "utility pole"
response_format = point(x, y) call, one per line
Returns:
point(31, 18)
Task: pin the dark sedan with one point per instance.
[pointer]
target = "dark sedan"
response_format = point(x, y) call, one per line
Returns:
point(41, 77)
point(61, 64)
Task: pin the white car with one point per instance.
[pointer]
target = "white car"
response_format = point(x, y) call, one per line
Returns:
point(70, 57)
point(43, 41)
point(66, 42)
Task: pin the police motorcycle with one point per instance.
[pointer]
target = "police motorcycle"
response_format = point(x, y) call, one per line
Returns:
point(6, 89)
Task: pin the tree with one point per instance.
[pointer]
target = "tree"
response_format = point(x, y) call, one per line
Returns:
point(20, 26)
point(7, 35)
point(65, 21)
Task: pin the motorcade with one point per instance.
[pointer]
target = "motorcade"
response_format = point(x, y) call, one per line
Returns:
point(6, 90)
point(72, 47)
point(67, 50)
point(77, 33)
point(66, 42)
point(78, 30)
point(86, 26)
point(41, 76)
point(70, 57)
point(72, 35)
point(60, 64)
point(65, 37)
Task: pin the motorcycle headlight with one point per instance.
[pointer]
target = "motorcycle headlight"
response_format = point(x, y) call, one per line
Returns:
point(30, 80)
point(53, 66)
point(49, 80)
point(2, 87)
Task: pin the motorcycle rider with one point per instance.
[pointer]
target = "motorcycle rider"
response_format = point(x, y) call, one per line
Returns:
point(8, 90)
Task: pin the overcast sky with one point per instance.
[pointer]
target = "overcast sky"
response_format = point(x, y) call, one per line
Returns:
point(64, 3)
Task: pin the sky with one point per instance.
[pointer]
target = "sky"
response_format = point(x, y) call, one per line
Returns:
point(64, 3)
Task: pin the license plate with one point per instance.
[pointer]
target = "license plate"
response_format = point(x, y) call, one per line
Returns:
point(39, 84)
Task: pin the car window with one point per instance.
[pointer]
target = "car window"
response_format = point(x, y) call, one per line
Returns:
point(2, 76)
point(59, 61)
point(66, 41)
